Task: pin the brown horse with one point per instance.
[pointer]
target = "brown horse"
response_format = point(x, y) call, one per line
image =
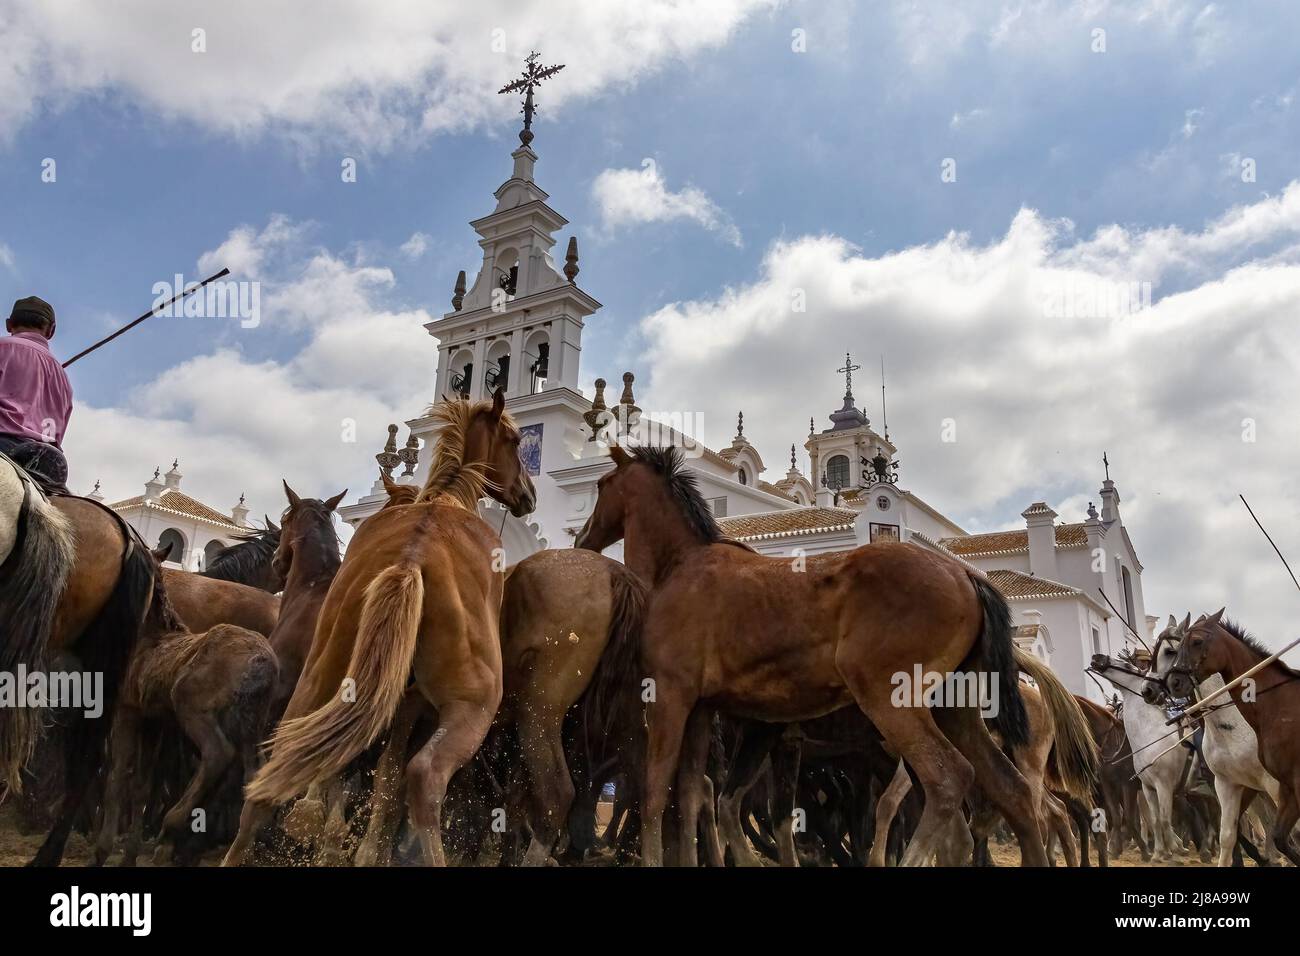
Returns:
point(97, 617)
point(570, 626)
point(418, 595)
point(217, 685)
point(305, 563)
point(203, 602)
point(785, 640)
point(1269, 700)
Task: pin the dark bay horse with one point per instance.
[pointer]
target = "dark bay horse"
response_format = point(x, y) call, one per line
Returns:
point(249, 561)
point(1269, 701)
point(418, 595)
point(785, 640)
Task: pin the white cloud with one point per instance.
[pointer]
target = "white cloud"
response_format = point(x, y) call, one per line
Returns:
point(6, 257)
point(240, 424)
point(635, 196)
point(963, 327)
point(374, 72)
point(416, 246)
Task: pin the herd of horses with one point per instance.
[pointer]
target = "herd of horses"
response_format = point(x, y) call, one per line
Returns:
point(416, 700)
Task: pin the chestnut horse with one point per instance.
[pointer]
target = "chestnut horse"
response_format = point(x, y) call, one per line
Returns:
point(418, 595)
point(570, 629)
point(785, 640)
point(1270, 702)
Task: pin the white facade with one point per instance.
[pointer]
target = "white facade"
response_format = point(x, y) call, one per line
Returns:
point(164, 513)
point(520, 325)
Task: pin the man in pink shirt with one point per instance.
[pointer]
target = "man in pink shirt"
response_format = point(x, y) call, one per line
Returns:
point(35, 396)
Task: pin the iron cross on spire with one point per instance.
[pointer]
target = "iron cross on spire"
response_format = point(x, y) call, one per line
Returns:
point(528, 80)
point(1105, 461)
point(848, 370)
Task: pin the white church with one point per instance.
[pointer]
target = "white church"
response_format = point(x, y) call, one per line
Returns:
point(520, 325)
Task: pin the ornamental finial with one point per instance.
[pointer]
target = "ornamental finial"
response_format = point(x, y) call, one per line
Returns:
point(388, 458)
point(571, 260)
point(528, 81)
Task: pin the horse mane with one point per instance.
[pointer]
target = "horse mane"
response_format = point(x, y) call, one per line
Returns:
point(242, 562)
point(450, 476)
point(1254, 644)
point(670, 463)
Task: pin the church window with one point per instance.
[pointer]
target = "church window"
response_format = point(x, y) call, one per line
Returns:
point(210, 552)
point(744, 479)
point(176, 540)
point(1128, 598)
point(837, 472)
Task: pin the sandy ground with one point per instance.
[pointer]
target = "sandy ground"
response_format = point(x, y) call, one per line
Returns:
point(17, 848)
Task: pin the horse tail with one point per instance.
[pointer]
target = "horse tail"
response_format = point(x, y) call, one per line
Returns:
point(308, 749)
point(32, 579)
point(620, 664)
point(609, 704)
point(1073, 761)
point(996, 654)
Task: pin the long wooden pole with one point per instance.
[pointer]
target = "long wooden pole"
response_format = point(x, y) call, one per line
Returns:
point(1237, 680)
point(1271, 658)
point(152, 312)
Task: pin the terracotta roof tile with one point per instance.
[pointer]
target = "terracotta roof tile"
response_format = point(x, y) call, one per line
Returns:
point(1002, 542)
point(180, 502)
point(1014, 584)
point(776, 524)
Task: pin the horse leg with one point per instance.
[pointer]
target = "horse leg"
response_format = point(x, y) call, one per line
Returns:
point(785, 780)
point(123, 750)
point(462, 727)
point(997, 776)
point(886, 808)
point(691, 773)
point(709, 824)
point(945, 774)
point(756, 740)
point(331, 845)
point(548, 773)
point(215, 754)
point(957, 846)
point(1288, 811)
point(1059, 822)
point(390, 778)
point(666, 722)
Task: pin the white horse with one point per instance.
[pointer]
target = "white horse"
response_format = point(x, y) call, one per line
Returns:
point(1230, 747)
point(36, 553)
point(1149, 736)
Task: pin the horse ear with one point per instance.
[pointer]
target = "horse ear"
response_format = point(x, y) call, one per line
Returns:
point(1217, 615)
point(1187, 622)
point(333, 503)
point(162, 552)
point(271, 525)
point(498, 402)
point(289, 493)
point(620, 457)
point(390, 486)
point(1173, 623)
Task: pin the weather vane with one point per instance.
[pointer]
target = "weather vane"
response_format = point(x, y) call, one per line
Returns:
point(527, 82)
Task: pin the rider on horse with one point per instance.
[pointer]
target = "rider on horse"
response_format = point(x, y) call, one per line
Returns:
point(35, 395)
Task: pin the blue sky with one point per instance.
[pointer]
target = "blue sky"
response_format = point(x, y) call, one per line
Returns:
point(772, 169)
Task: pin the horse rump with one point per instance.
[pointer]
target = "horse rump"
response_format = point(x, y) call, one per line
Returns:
point(32, 580)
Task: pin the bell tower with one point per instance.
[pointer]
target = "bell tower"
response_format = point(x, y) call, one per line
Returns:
point(520, 324)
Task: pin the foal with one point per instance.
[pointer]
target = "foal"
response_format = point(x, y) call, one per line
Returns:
point(217, 686)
